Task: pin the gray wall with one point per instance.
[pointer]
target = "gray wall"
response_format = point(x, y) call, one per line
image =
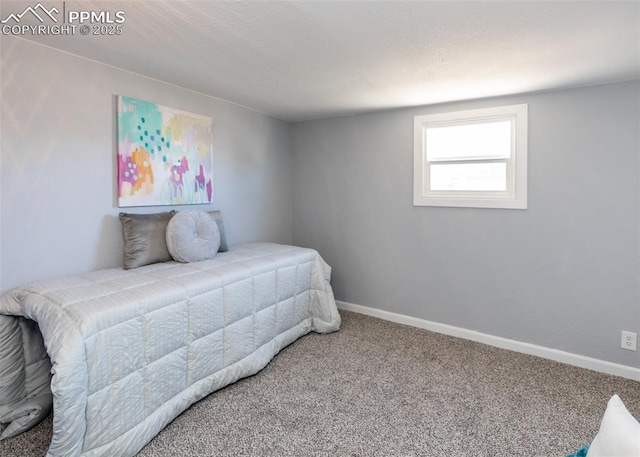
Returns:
point(59, 211)
point(562, 274)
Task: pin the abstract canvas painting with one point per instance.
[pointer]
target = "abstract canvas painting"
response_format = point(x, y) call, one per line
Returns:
point(165, 155)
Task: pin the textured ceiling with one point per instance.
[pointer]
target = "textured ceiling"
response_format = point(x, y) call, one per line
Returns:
point(315, 59)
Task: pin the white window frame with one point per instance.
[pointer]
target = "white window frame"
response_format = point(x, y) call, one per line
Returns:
point(515, 197)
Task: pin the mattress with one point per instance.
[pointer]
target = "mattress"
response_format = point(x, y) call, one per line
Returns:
point(131, 349)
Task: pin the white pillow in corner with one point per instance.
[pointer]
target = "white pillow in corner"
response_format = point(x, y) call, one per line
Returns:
point(192, 236)
point(619, 434)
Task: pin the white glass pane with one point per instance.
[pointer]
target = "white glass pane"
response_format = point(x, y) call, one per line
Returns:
point(468, 176)
point(490, 140)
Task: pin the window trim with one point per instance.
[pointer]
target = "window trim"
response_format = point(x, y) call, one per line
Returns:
point(515, 197)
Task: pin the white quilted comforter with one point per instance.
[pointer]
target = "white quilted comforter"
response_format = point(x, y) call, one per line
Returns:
point(132, 349)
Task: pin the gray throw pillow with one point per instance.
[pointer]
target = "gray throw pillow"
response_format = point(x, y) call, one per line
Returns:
point(217, 216)
point(144, 238)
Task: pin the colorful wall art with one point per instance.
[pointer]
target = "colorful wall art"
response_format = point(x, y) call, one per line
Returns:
point(165, 156)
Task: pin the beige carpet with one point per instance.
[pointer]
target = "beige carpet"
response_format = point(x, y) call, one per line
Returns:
point(381, 389)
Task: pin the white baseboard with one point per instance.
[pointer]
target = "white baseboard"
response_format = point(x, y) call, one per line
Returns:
point(581, 361)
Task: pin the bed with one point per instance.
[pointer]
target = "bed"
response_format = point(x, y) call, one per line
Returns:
point(130, 349)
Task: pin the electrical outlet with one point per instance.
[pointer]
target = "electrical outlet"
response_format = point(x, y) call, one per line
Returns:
point(629, 340)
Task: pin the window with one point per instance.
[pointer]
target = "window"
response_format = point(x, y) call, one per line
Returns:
point(475, 158)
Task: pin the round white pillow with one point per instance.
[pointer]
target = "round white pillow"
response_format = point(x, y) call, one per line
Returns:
point(192, 236)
